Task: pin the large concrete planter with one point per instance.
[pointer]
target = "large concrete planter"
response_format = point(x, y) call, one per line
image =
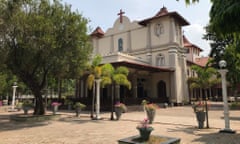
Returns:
point(200, 115)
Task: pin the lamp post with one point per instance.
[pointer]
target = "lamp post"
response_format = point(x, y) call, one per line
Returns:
point(14, 93)
point(223, 71)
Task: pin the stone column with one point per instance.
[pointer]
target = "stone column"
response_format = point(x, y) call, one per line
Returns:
point(98, 99)
point(14, 93)
point(227, 129)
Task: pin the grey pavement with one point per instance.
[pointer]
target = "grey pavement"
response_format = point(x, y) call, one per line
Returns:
point(172, 122)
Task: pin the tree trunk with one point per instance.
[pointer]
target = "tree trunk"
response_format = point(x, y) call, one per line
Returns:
point(77, 91)
point(59, 88)
point(93, 100)
point(112, 103)
point(235, 91)
point(39, 107)
point(117, 89)
point(206, 107)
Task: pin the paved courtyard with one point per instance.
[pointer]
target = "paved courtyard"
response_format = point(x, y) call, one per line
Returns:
point(173, 122)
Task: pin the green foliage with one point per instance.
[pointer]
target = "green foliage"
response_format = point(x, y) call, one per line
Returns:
point(96, 61)
point(224, 16)
point(190, 1)
point(107, 70)
point(232, 56)
point(205, 77)
point(27, 103)
point(122, 70)
point(79, 105)
point(40, 39)
point(235, 105)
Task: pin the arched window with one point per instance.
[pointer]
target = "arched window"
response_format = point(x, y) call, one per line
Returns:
point(159, 29)
point(160, 61)
point(120, 45)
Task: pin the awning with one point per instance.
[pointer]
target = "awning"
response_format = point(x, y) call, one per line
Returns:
point(142, 66)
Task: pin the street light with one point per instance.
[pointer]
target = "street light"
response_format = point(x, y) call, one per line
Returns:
point(223, 71)
point(14, 93)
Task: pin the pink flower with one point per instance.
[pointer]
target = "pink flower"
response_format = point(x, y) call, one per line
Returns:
point(144, 123)
point(56, 104)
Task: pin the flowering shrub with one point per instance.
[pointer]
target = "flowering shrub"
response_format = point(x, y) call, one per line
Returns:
point(144, 124)
point(56, 104)
point(79, 105)
point(27, 104)
point(149, 106)
point(198, 106)
point(121, 105)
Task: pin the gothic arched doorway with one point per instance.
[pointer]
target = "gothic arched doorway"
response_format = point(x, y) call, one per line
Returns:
point(162, 91)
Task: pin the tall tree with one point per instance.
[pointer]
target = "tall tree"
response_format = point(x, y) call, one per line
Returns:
point(226, 48)
point(95, 72)
point(218, 45)
point(116, 77)
point(204, 80)
point(41, 38)
point(224, 16)
point(232, 57)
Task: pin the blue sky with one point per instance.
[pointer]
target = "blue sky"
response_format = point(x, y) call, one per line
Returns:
point(103, 13)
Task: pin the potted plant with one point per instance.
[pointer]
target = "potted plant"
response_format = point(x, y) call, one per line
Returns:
point(55, 106)
point(144, 129)
point(26, 106)
point(119, 109)
point(200, 112)
point(19, 106)
point(78, 107)
point(69, 104)
point(150, 109)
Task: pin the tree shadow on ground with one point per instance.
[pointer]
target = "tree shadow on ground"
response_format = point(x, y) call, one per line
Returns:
point(208, 136)
point(7, 125)
point(78, 120)
point(218, 138)
point(233, 118)
point(189, 130)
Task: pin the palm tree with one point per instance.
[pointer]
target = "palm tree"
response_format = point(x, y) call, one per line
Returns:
point(204, 80)
point(95, 73)
point(115, 77)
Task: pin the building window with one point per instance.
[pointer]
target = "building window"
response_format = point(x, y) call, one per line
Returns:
point(160, 60)
point(158, 29)
point(120, 45)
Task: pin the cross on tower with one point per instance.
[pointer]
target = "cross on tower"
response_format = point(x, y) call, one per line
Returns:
point(121, 15)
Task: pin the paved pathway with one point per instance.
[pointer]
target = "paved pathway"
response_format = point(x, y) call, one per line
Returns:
point(173, 122)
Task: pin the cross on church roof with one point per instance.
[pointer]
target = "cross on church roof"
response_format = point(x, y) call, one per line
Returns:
point(121, 15)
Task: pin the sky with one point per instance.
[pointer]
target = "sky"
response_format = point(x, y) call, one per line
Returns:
point(103, 13)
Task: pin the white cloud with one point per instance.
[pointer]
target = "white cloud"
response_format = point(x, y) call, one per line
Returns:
point(194, 34)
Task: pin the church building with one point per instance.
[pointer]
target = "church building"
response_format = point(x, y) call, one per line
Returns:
point(155, 52)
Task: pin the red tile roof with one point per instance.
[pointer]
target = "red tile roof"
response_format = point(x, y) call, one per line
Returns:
point(163, 13)
point(188, 44)
point(202, 61)
point(98, 32)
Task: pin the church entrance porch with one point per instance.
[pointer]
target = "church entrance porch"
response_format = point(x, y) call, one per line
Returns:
point(148, 82)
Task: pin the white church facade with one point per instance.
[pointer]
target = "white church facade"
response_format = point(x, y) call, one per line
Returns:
point(153, 51)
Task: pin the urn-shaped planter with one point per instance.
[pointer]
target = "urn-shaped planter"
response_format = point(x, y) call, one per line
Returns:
point(200, 115)
point(78, 111)
point(118, 112)
point(145, 133)
point(26, 109)
point(26, 106)
point(78, 108)
point(55, 109)
point(151, 115)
